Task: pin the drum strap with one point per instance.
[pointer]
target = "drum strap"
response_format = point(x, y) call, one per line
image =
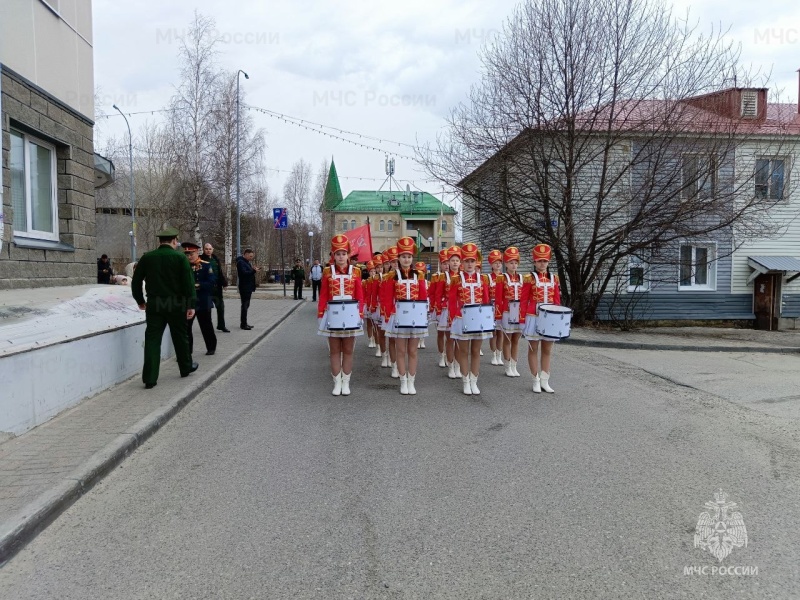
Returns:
point(470, 286)
point(407, 283)
point(341, 278)
point(546, 288)
point(516, 285)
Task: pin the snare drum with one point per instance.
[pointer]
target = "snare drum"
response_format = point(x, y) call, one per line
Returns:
point(510, 318)
point(477, 318)
point(411, 314)
point(553, 321)
point(343, 315)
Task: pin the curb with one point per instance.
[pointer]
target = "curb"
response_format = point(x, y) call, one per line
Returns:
point(20, 529)
point(679, 347)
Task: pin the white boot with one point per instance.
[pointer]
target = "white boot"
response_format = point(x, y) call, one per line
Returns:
point(345, 384)
point(537, 384)
point(457, 367)
point(545, 384)
point(395, 372)
point(421, 343)
point(451, 370)
point(404, 385)
point(378, 351)
point(337, 384)
point(386, 361)
point(443, 359)
point(481, 351)
point(514, 372)
point(371, 342)
point(497, 357)
point(412, 391)
point(467, 387)
point(509, 368)
point(473, 384)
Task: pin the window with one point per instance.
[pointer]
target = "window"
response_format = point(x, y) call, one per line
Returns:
point(444, 246)
point(637, 274)
point(697, 269)
point(391, 226)
point(749, 104)
point(699, 176)
point(33, 187)
point(410, 226)
point(344, 225)
point(353, 224)
point(770, 178)
point(444, 226)
point(382, 226)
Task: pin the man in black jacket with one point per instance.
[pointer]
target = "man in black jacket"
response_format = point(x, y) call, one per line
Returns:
point(247, 282)
point(298, 275)
point(222, 283)
point(104, 270)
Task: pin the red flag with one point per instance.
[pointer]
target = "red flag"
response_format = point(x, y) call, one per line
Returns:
point(360, 243)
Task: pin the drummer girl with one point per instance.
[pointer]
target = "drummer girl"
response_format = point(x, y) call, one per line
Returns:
point(406, 284)
point(373, 302)
point(468, 288)
point(496, 341)
point(539, 287)
point(367, 284)
point(422, 268)
point(509, 294)
point(435, 294)
point(391, 351)
point(341, 281)
point(445, 283)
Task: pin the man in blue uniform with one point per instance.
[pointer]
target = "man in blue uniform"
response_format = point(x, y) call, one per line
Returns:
point(205, 285)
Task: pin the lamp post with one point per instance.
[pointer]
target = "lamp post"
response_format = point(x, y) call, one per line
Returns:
point(310, 248)
point(238, 203)
point(133, 201)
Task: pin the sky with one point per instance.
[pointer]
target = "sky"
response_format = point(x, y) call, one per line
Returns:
point(388, 70)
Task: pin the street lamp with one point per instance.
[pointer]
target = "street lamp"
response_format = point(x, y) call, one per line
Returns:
point(310, 247)
point(133, 202)
point(238, 203)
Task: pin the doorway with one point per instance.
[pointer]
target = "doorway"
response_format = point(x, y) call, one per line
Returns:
point(766, 294)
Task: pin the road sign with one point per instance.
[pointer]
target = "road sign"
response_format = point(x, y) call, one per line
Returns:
point(280, 217)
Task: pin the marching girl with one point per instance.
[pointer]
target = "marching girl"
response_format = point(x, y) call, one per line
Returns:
point(422, 268)
point(341, 282)
point(468, 287)
point(445, 283)
point(436, 294)
point(539, 287)
point(406, 284)
point(373, 303)
point(368, 285)
point(509, 295)
point(496, 341)
point(391, 351)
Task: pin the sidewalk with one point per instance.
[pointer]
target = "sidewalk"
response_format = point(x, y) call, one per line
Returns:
point(45, 470)
point(689, 339)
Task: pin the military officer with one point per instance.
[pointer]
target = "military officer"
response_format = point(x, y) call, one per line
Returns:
point(205, 285)
point(170, 301)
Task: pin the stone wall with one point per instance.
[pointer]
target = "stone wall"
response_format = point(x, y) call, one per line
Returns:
point(72, 260)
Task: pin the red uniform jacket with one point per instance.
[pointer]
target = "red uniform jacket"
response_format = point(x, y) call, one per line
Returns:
point(547, 291)
point(394, 289)
point(332, 286)
point(458, 295)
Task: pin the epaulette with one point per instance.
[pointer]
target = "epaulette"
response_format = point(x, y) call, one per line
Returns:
point(326, 272)
point(528, 278)
point(421, 274)
point(388, 276)
point(205, 261)
point(357, 272)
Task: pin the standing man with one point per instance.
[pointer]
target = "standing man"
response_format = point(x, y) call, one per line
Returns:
point(205, 285)
point(222, 283)
point(104, 271)
point(170, 301)
point(316, 279)
point(298, 275)
point(247, 282)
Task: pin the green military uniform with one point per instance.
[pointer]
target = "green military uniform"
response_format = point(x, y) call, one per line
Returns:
point(170, 293)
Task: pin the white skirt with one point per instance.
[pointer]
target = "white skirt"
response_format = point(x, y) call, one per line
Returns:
point(510, 328)
point(443, 325)
point(457, 334)
point(348, 333)
point(406, 333)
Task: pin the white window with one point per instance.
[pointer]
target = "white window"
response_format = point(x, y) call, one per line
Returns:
point(32, 163)
point(391, 226)
point(637, 274)
point(353, 224)
point(770, 178)
point(344, 225)
point(697, 270)
point(444, 225)
point(699, 176)
point(382, 225)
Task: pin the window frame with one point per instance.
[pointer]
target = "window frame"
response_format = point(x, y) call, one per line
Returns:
point(352, 224)
point(711, 266)
point(382, 225)
point(444, 225)
point(344, 224)
point(695, 189)
point(770, 176)
point(636, 261)
point(390, 225)
point(30, 233)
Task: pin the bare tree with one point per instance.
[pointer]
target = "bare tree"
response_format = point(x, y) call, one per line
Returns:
point(297, 196)
point(596, 128)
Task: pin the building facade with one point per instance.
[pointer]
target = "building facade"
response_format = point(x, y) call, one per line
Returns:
point(50, 170)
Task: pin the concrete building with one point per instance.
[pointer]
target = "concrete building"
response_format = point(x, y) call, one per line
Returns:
point(50, 170)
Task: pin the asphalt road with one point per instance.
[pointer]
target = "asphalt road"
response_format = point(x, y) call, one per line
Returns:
point(266, 486)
